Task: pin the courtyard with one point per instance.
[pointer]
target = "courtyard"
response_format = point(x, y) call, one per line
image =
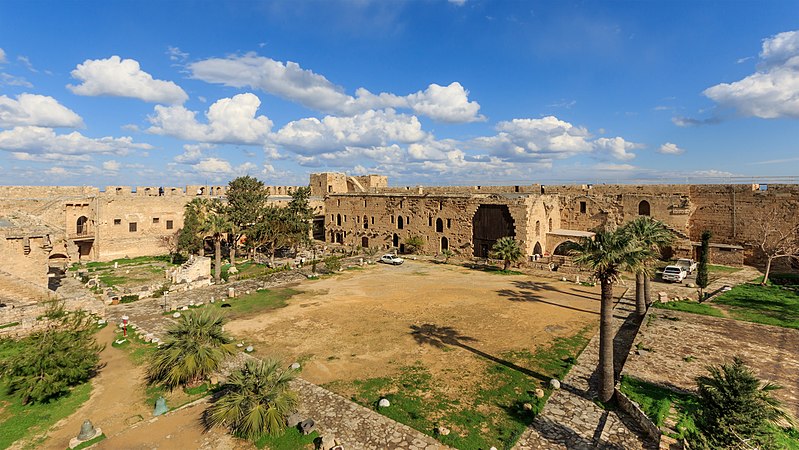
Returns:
point(449, 346)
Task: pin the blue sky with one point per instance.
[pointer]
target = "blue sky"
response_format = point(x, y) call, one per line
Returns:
point(426, 92)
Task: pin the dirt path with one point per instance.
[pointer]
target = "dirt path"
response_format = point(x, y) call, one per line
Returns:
point(117, 394)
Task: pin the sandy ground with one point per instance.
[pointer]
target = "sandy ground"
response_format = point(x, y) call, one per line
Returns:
point(359, 324)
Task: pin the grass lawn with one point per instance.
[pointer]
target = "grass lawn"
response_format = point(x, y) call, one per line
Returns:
point(691, 307)
point(291, 439)
point(769, 305)
point(256, 302)
point(492, 415)
point(656, 401)
point(712, 268)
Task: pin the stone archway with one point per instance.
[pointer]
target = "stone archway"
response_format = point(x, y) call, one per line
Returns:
point(400, 224)
point(444, 243)
point(57, 265)
point(537, 249)
point(82, 225)
point(490, 222)
point(644, 209)
point(439, 225)
point(564, 248)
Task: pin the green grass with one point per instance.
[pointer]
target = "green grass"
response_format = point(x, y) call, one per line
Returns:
point(291, 439)
point(769, 305)
point(256, 302)
point(691, 307)
point(19, 421)
point(490, 414)
point(8, 325)
point(713, 268)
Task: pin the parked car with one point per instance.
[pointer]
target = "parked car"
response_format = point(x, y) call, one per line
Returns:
point(688, 264)
point(674, 273)
point(391, 259)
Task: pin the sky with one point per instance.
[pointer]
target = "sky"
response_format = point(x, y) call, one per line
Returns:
point(427, 92)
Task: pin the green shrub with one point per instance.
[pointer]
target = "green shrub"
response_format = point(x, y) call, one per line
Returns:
point(129, 298)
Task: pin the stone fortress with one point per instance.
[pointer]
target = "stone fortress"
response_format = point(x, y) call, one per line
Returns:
point(43, 229)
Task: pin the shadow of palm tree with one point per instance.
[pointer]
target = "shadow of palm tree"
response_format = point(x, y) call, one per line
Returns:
point(441, 337)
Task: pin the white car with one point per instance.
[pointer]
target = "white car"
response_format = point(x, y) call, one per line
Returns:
point(688, 264)
point(674, 273)
point(391, 259)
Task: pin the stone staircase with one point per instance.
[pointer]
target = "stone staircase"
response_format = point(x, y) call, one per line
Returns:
point(15, 291)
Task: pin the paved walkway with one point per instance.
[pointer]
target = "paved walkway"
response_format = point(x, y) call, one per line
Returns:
point(571, 420)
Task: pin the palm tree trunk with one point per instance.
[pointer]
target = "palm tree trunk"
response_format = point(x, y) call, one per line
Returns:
point(647, 294)
point(640, 301)
point(507, 265)
point(606, 381)
point(233, 252)
point(217, 258)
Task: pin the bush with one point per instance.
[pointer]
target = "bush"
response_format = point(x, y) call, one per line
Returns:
point(56, 359)
point(129, 298)
point(332, 264)
point(413, 244)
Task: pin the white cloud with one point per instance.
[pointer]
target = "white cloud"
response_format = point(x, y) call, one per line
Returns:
point(26, 62)
point(2, 56)
point(670, 149)
point(290, 81)
point(39, 140)
point(11, 80)
point(36, 110)
point(771, 92)
point(372, 128)
point(230, 120)
point(217, 169)
point(57, 171)
point(614, 167)
point(175, 54)
point(616, 148)
point(124, 78)
point(193, 153)
point(49, 157)
point(111, 165)
point(458, 2)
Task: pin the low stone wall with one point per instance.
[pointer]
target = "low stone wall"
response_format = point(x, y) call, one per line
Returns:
point(640, 418)
point(26, 317)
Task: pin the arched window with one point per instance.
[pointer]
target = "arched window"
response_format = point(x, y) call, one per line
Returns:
point(439, 225)
point(399, 223)
point(338, 219)
point(365, 222)
point(550, 224)
point(537, 227)
point(82, 225)
point(643, 208)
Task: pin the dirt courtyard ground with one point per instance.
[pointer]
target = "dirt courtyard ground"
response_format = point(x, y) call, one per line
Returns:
point(360, 324)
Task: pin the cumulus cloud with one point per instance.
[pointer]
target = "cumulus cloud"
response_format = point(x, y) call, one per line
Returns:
point(36, 110)
point(229, 120)
point(773, 90)
point(372, 128)
point(670, 149)
point(290, 81)
point(40, 140)
point(123, 78)
point(111, 165)
point(193, 153)
point(550, 138)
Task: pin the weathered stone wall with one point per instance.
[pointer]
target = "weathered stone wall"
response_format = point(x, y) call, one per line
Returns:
point(28, 318)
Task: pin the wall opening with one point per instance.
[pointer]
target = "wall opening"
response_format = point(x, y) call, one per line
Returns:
point(365, 223)
point(338, 219)
point(444, 243)
point(537, 227)
point(565, 248)
point(365, 242)
point(82, 225)
point(583, 207)
point(395, 241)
point(537, 249)
point(439, 225)
point(490, 222)
point(643, 208)
point(400, 222)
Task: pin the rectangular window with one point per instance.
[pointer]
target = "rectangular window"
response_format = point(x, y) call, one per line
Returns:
point(156, 220)
point(117, 221)
point(429, 221)
point(373, 220)
point(392, 219)
point(170, 224)
point(132, 227)
point(449, 223)
point(582, 207)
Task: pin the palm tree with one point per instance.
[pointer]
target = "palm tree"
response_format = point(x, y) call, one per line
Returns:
point(607, 255)
point(193, 349)
point(508, 250)
point(653, 235)
point(255, 401)
point(216, 224)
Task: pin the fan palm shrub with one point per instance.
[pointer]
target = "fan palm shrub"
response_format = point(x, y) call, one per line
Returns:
point(256, 400)
point(193, 349)
point(508, 250)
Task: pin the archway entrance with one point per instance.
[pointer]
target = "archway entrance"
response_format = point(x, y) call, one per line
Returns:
point(537, 249)
point(444, 244)
point(82, 225)
point(565, 248)
point(490, 222)
point(439, 226)
point(56, 270)
point(643, 208)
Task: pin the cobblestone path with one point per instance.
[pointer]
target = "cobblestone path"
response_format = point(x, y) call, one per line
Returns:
point(571, 420)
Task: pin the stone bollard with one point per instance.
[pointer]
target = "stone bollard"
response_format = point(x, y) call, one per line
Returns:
point(663, 297)
point(231, 292)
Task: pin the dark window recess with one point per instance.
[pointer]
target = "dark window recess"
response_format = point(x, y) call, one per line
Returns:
point(170, 224)
point(156, 219)
point(583, 207)
point(132, 227)
point(117, 221)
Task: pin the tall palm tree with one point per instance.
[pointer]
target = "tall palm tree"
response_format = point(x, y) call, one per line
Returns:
point(256, 400)
point(607, 255)
point(216, 224)
point(508, 250)
point(653, 235)
point(192, 350)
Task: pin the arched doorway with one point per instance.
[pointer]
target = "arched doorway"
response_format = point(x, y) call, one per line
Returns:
point(82, 225)
point(444, 243)
point(439, 226)
point(490, 222)
point(365, 242)
point(57, 265)
point(395, 241)
point(537, 249)
point(643, 208)
point(565, 248)
point(400, 222)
